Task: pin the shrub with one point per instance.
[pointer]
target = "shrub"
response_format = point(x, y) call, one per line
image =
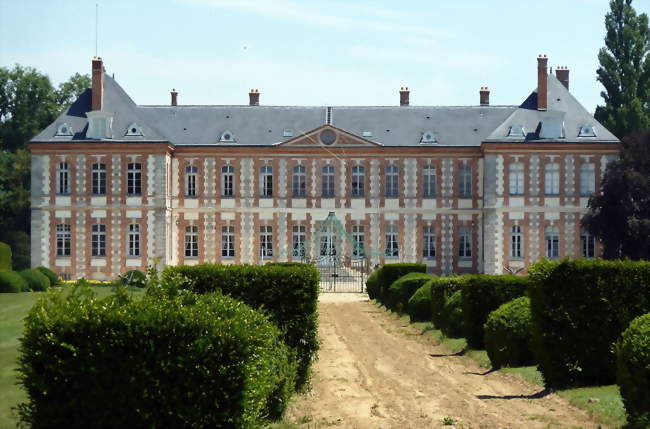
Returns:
point(289, 295)
point(633, 371)
point(483, 294)
point(441, 289)
point(372, 285)
point(388, 273)
point(419, 306)
point(133, 278)
point(51, 276)
point(580, 308)
point(451, 316)
point(187, 361)
point(36, 280)
point(507, 334)
point(12, 282)
point(403, 289)
point(5, 256)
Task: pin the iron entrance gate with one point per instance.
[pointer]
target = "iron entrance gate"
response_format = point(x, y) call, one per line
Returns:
point(342, 274)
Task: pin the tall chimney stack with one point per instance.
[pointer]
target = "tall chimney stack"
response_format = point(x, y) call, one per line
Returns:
point(174, 97)
point(254, 98)
point(404, 96)
point(562, 74)
point(97, 84)
point(484, 96)
point(542, 84)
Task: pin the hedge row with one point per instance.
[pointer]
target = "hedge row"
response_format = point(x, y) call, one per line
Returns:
point(288, 294)
point(402, 289)
point(5, 256)
point(380, 280)
point(508, 334)
point(186, 361)
point(419, 305)
point(441, 289)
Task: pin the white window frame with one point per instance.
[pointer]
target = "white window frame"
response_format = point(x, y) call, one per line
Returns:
point(191, 241)
point(63, 240)
point(266, 241)
point(358, 181)
point(429, 242)
point(587, 179)
point(98, 178)
point(299, 181)
point(392, 242)
point(516, 178)
point(266, 181)
point(391, 176)
point(298, 239)
point(98, 240)
point(465, 243)
point(516, 242)
point(428, 181)
point(227, 181)
point(227, 241)
point(465, 181)
point(63, 178)
point(134, 240)
point(552, 179)
point(358, 241)
point(191, 174)
point(552, 242)
point(327, 181)
point(587, 244)
point(134, 178)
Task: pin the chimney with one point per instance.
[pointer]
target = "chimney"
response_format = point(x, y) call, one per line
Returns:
point(254, 98)
point(562, 74)
point(174, 97)
point(404, 96)
point(97, 84)
point(484, 96)
point(542, 90)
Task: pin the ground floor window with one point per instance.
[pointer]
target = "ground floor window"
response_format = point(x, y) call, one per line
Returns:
point(358, 240)
point(552, 242)
point(429, 243)
point(134, 240)
point(515, 242)
point(266, 241)
point(228, 241)
point(298, 241)
point(63, 240)
point(465, 242)
point(588, 244)
point(392, 246)
point(192, 241)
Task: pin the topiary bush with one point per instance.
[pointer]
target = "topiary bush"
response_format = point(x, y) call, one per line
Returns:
point(12, 282)
point(51, 276)
point(388, 273)
point(186, 361)
point(403, 289)
point(633, 371)
point(483, 294)
point(441, 289)
point(133, 278)
point(5, 256)
point(507, 334)
point(419, 306)
point(580, 308)
point(372, 284)
point(451, 316)
point(36, 281)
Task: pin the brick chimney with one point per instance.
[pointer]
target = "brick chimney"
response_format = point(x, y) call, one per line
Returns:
point(254, 98)
point(174, 97)
point(404, 96)
point(484, 96)
point(97, 84)
point(562, 74)
point(542, 84)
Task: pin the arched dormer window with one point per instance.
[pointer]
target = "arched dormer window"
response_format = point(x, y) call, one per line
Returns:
point(428, 137)
point(134, 130)
point(227, 137)
point(64, 130)
point(587, 131)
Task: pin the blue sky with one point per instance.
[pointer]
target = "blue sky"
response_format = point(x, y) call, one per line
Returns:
point(313, 52)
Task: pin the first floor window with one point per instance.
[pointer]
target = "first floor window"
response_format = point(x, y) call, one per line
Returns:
point(227, 181)
point(588, 244)
point(392, 247)
point(98, 240)
point(228, 241)
point(392, 181)
point(429, 245)
point(429, 182)
point(516, 177)
point(266, 181)
point(298, 241)
point(465, 242)
point(191, 172)
point(99, 179)
point(587, 179)
point(299, 181)
point(266, 241)
point(327, 181)
point(552, 179)
point(134, 240)
point(192, 241)
point(358, 238)
point(358, 181)
point(515, 242)
point(552, 242)
point(63, 178)
point(465, 181)
point(134, 178)
point(63, 240)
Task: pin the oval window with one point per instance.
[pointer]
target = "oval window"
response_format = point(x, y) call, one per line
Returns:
point(327, 137)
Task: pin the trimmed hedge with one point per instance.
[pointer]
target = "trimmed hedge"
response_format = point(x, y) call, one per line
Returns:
point(12, 282)
point(388, 273)
point(36, 281)
point(372, 284)
point(419, 306)
point(188, 361)
point(451, 316)
point(51, 276)
point(507, 334)
point(5, 256)
point(633, 371)
point(134, 278)
point(288, 294)
point(441, 289)
point(403, 289)
point(580, 308)
point(482, 294)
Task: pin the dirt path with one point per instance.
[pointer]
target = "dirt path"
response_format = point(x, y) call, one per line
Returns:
point(371, 374)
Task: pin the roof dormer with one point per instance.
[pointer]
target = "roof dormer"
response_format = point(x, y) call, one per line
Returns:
point(134, 130)
point(587, 131)
point(227, 137)
point(64, 130)
point(428, 137)
point(100, 124)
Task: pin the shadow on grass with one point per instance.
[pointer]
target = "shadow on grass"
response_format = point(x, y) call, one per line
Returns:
point(489, 371)
point(542, 393)
point(459, 353)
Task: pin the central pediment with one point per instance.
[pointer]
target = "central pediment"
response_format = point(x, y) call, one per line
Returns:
point(328, 136)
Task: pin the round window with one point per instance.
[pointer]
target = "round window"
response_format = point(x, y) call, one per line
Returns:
point(226, 136)
point(134, 130)
point(64, 130)
point(327, 137)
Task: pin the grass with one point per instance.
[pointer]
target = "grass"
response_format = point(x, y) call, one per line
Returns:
point(603, 402)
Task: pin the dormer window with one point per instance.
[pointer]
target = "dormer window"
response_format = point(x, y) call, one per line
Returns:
point(587, 131)
point(64, 130)
point(99, 125)
point(552, 129)
point(517, 131)
point(366, 133)
point(428, 137)
point(227, 137)
point(134, 130)
point(287, 132)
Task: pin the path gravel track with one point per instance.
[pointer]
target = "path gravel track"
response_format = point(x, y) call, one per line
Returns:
point(376, 372)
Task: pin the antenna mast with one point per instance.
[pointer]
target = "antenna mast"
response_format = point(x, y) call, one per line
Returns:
point(96, 25)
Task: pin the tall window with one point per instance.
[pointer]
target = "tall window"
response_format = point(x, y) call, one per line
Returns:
point(190, 180)
point(588, 244)
point(228, 241)
point(358, 181)
point(552, 179)
point(98, 240)
point(134, 239)
point(327, 181)
point(587, 179)
point(465, 242)
point(516, 179)
point(392, 181)
point(227, 181)
point(464, 181)
point(552, 241)
point(63, 240)
point(429, 245)
point(134, 178)
point(63, 178)
point(266, 181)
point(266, 241)
point(298, 241)
point(299, 182)
point(392, 240)
point(358, 240)
point(429, 182)
point(99, 179)
point(191, 241)
point(515, 242)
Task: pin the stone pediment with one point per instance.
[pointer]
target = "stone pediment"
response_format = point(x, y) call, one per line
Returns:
point(328, 136)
